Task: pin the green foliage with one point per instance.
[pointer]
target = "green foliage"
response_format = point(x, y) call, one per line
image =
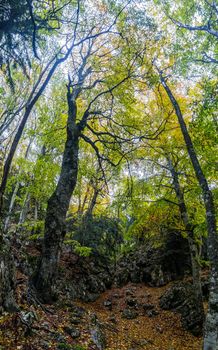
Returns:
point(77, 247)
point(132, 126)
point(102, 235)
point(31, 226)
point(79, 347)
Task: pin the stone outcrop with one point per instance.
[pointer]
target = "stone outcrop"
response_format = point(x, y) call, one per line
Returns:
point(155, 266)
point(181, 298)
point(88, 277)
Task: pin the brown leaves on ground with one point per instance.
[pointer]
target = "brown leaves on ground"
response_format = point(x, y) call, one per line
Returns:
point(161, 331)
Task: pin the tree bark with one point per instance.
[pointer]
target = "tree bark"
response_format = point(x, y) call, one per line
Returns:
point(24, 209)
point(211, 323)
point(93, 202)
point(58, 205)
point(11, 206)
point(192, 245)
point(7, 277)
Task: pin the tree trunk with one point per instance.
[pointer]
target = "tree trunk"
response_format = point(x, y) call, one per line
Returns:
point(191, 241)
point(92, 203)
point(30, 104)
point(11, 206)
point(16, 189)
point(24, 209)
point(211, 324)
point(58, 204)
point(7, 277)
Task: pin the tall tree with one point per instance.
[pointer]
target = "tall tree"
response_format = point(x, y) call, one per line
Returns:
point(211, 329)
point(83, 30)
point(86, 124)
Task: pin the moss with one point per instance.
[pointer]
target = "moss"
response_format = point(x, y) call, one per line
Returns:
point(78, 347)
point(32, 260)
point(64, 346)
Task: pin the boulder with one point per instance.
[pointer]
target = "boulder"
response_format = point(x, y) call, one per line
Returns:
point(155, 266)
point(87, 278)
point(181, 298)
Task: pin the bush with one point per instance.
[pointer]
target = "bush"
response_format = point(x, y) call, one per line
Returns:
point(102, 234)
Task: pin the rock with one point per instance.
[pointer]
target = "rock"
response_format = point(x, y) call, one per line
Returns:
point(59, 337)
point(75, 320)
point(77, 314)
point(116, 296)
point(88, 277)
point(150, 310)
point(159, 329)
point(112, 319)
point(129, 314)
point(90, 297)
point(132, 302)
point(97, 334)
point(152, 313)
point(46, 325)
point(181, 298)
point(27, 318)
point(140, 343)
point(73, 332)
point(144, 342)
point(155, 266)
point(108, 304)
point(78, 311)
point(129, 292)
point(147, 307)
point(44, 344)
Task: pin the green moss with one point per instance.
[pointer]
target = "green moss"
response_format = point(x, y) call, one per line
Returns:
point(78, 347)
point(64, 346)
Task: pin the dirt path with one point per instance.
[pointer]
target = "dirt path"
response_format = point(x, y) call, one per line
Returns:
point(151, 329)
point(160, 332)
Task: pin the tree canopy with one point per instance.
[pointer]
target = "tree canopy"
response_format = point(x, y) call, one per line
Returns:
point(108, 130)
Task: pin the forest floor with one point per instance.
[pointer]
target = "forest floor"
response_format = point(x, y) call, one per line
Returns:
point(58, 326)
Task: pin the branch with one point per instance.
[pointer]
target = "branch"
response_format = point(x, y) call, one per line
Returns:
point(204, 28)
point(34, 29)
point(99, 156)
point(86, 114)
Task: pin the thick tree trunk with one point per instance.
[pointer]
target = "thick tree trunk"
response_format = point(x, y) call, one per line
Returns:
point(211, 324)
point(58, 204)
point(7, 277)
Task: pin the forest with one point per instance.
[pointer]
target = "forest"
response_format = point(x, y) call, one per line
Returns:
point(108, 174)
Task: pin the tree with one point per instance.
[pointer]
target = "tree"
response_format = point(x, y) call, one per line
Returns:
point(98, 90)
point(74, 39)
point(210, 337)
point(60, 56)
point(190, 236)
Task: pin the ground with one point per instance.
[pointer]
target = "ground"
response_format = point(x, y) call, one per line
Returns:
point(51, 324)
